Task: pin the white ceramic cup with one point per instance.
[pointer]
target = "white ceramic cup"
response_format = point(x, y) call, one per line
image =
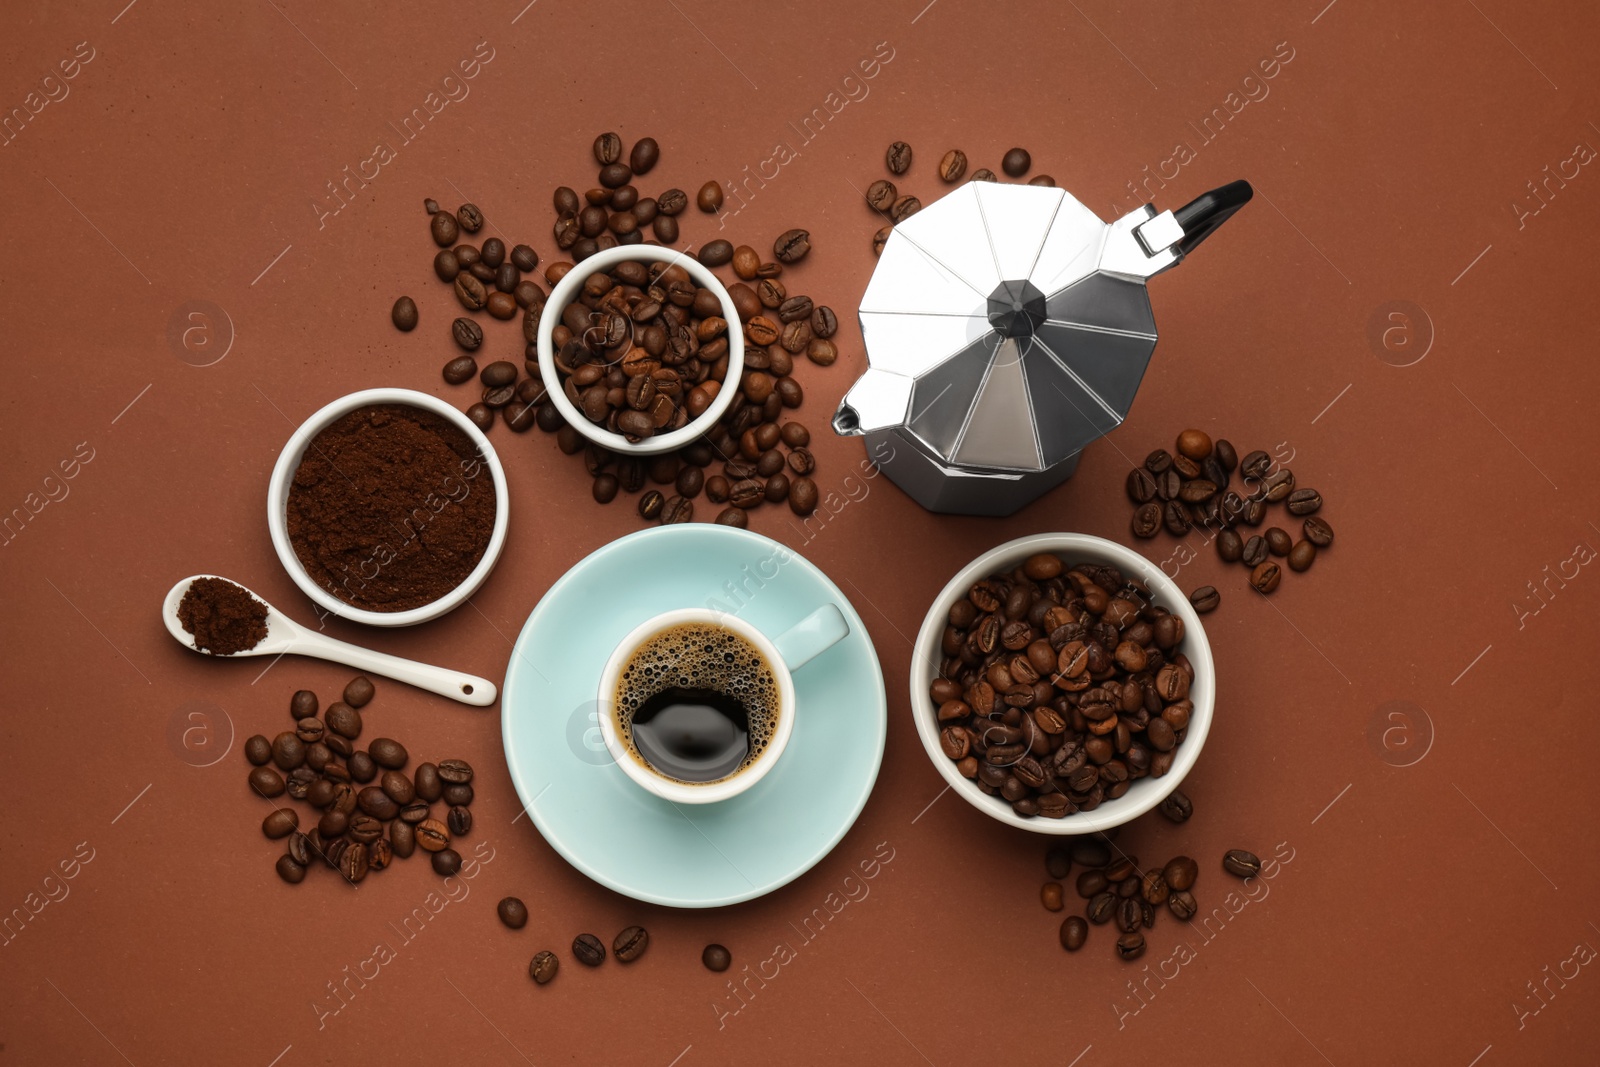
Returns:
point(564, 293)
point(785, 653)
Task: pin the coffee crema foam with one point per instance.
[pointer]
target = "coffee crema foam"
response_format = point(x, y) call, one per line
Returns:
point(699, 656)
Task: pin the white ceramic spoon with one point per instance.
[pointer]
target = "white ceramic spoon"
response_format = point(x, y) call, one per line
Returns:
point(284, 635)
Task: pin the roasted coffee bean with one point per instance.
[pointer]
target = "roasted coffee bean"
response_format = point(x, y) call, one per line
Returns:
point(1241, 864)
point(1153, 887)
point(1175, 517)
point(898, 158)
point(1186, 467)
point(1147, 520)
point(1318, 532)
point(258, 750)
point(375, 802)
point(1265, 578)
point(1074, 932)
point(432, 835)
point(1205, 599)
point(280, 822)
point(607, 149)
point(615, 175)
point(1304, 502)
point(461, 369)
point(1177, 807)
point(1103, 908)
point(402, 839)
point(1196, 444)
point(481, 415)
point(1042, 179)
point(446, 265)
point(362, 767)
point(604, 488)
point(524, 258)
point(387, 753)
point(1016, 162)
point(303, 704)
point(288, 751)
point(290, 871)
point(630, 944)
point(513, 912)
point(644, 155)
point(543, 967)
point(791, 246)
point(1158, 462)
point(298, 782)
point(1223, 450)
point(1278, 485)
point(716, 958)
point(588, 950)
point(455, 771)
point(266, 782)
point(1050, 896)
point(415, 812)
point(676, 509)
point(1230, 546)
point(733, 516)
point(709, 199)
point(426, 782)
point(1141, 486)
point(1130, 916)
point(1130, 946)
point(1180, 873)
point(459, 821)
point(397, 787)
point(1197, 491)
point(1182, 905)
point(494, 252)
point(983, 174)
point(1278, 542)
point(364, 829)
point(404, 314)
point(880, 239)
point(1301, 556)
point(446, 862)
point(803, 496)
point(716, 253)
point(444, 229)
point(881, 194)
point(1255, 551)
point(456, 794)
point(1057, 862)
point(1091, 883)
point(499, 373)
point(953, 165)
point(801, 460)
point(470, 218)
point(903, 208)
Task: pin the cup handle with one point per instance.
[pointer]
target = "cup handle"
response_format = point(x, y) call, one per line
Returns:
point(811, 636)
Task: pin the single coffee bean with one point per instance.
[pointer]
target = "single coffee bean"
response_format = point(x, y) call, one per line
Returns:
point(1177, 807)
point(1130, 946)
point(544, 967)
point(456, 795)
point(455, 771)
point(1255, 465)
point(1180, 873)
point(1278, 485)
point(677, 509)
point(953, 165)
point(650, 505)
point(1196, 444)
point(446, 265)
point(387, 753)
point(444, 229)
point(1057, 861)
point(415, 812)
point(1042, 179)
point(984, 174)
point(903, 208)
point(460, 370)
point(1175, 517)
point(343, 720)
point(1050, 896)
point(709, 198)
point(733, 516)
point(481, 416)
point(397, 787)
point(290, 871)
point(280, 822)
point(494, 252)
point(432, 835)
point(1103, 908)
point(791, 246)
point(1186, 467)
point(309, 730)
point(446, 862)
point(500, 372)
point(258, 750)
point(375, 802)
point(716, 958)
point(288, 751)
point(1230, 546)
point(1130, 916)
point(427, 783)
point(303, 704)
point(898, 158)
point(607, 149)
point(880, 239)
point(1241, 864)
point(1255, 551)
point(1091, 883)
point(459, 821)
point(1304, 502)
point(630, 944)
point(1182, 905)
point(501, 305)
point(803, 496)
point(404, 314)
point(1074, 932)
point(644, 155)
point(524, 258)
point(402, 839)
point(470, 218)
point(513, 912)
point(716, 253)
point(1278, 542)
point(1197, 491)
point(1141, 486)
point(1318, 532)
point(1147, 520)
point(1224, 451)
point(1205, 599)
point(1301, 556)
point(1016, 162)
point(266, 782)
point(588, 950)
point(364, 829)
point(1153, 887)
point(1265, 578)
point(881, 194)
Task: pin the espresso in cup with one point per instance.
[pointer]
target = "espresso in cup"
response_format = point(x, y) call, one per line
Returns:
point(696, 703)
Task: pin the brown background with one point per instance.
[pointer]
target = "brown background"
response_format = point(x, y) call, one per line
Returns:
point(1421, 899)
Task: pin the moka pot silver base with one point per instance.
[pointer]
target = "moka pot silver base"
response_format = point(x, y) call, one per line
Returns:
point(949, 490)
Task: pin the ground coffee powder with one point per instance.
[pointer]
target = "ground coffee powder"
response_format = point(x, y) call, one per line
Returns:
point(391, 508)
point(224, 618)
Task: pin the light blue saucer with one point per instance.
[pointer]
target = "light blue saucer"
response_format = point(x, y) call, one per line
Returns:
point(682, 855)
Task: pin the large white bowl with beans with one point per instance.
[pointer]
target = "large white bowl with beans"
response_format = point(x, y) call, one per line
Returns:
point(1143, 793)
